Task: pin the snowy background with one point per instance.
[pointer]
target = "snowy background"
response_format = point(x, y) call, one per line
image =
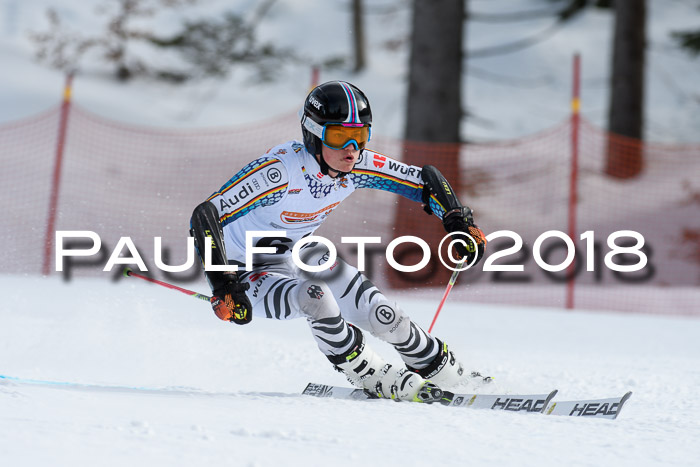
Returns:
point(182, 388)
point(511, 95)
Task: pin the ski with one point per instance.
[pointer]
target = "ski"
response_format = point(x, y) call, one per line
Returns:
point(532, 403)
point(600, 408)
point(527, 403)
point(336, 392)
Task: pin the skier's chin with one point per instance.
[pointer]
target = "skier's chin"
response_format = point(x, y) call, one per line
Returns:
point(344, 166)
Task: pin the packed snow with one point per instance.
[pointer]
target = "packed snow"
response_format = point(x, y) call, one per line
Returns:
point(156, 379)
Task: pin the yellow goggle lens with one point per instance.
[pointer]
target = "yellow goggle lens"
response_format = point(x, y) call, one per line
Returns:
point(338, 136)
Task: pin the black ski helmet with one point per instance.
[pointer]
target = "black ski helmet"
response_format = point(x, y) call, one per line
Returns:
point(332, 102)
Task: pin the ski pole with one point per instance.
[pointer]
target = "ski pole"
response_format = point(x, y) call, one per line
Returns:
point(129, 273)
point(450, 284)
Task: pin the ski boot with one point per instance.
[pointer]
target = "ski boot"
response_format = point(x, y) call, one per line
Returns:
point(364, 368)
point(448, 372)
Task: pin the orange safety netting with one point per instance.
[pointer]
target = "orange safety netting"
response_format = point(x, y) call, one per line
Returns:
point(120, 180)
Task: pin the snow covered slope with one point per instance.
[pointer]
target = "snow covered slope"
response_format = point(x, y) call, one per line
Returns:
point(179, 387)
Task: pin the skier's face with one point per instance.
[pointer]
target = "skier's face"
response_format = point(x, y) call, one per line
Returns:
point(340, 160)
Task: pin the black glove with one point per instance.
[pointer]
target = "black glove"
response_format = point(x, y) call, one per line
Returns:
point(230, 303)
point(461, 220)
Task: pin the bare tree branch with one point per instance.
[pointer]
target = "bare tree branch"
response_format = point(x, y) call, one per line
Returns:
point(517, 45)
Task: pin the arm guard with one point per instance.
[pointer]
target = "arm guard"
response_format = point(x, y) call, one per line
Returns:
point(438, 196)
point(229, 302)
point(205, 227)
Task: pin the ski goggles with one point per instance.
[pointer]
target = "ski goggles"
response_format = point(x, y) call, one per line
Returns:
point(340, 135)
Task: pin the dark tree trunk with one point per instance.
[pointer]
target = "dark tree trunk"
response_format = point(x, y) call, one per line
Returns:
point(358, 29)
point(434, 109)
point(433, 115)
point(624, 158)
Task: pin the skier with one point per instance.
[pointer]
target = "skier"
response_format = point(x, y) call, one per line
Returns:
point(293, 188)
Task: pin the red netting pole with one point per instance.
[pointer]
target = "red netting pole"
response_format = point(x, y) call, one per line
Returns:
point(573, 188)
point(315, 75)
point(55, 180)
